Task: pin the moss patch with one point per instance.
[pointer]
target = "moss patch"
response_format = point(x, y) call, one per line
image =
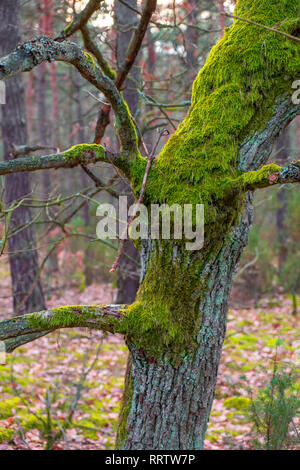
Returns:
point(70, 316)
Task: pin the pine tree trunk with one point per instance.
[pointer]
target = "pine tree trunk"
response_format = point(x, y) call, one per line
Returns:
point(22, 246)
point(166, 405)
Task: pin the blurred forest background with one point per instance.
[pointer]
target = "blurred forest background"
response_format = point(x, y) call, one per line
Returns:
point(50, 254)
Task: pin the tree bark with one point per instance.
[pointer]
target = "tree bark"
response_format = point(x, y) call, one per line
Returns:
point(23, 256)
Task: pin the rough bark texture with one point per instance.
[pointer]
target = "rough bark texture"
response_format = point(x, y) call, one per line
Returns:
point(23, 258)
point(171, 405)
point(183, 299)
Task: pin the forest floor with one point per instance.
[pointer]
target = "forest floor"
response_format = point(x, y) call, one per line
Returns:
point(69, 384)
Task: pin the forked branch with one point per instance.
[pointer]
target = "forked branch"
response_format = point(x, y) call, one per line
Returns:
point(132, 52)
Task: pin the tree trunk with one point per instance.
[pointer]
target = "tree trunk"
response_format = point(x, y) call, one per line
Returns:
point(170, 402)
point(22, 246)
point(282, 159)
point(128, 275)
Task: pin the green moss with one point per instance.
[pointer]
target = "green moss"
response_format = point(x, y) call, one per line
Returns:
point(79, 151)
point(233, 96)
point(7, 406)
point(212, 437)
point(6, 434)
point(238, 403)
point(249, 366)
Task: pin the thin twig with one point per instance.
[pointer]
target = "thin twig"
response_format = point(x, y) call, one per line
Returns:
point(150, 157)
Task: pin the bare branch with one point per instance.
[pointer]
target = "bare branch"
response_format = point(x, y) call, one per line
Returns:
point(26, 328)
